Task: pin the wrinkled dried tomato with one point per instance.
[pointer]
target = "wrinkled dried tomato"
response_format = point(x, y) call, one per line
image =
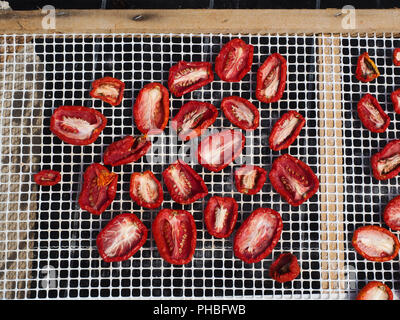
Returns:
point(285, 268)
point(108, 89)
point(366, 69)
point(386, 163)
point(372, 115)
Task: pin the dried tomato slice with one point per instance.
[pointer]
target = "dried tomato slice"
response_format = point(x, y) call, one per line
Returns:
point(185, 77)
point(99, 189)
point(241, 112)
point(146, 190)
point(126, 150)
point(285, 268)
point(366, 69)
point(175, 235)
point(375, 243)
point(151, 108)
point(108, 89)
point(391, 214)
point(375, 290)
point(218, 150)
point(47, 177)
point(193, 118)
point(258, 235)
point(386, 163)
point(250, 179)
point(77, 125)
point(183, 183)
point(234, 60)
point(121, 238)
point(396, 57)
point(220, 216)
point(286, 130)
point(293, 179)
point(395, 97)
point(372, 115)
point(271, 79)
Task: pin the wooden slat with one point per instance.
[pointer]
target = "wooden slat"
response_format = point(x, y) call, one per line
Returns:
point(201, 21)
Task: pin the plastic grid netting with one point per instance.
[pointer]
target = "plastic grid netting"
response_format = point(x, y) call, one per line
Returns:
point(47, 242)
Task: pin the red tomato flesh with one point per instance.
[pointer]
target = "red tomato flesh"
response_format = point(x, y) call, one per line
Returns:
point(366, 69)
point(375, 290)
point(109, 90)
point(47, 177)
point(372, 115)
point(77, 125)
point(193, 118)
point(121, 238)
point(250, 179)
point(175, 235)
point(395, 97)
point(234, 60)
point(241, 112)
point(396, 57)
point(183, 183)
point(146, 190)
point(391, 214)
point(386, 163)
point(220, 216)
point(258, 235)
point(285, 268)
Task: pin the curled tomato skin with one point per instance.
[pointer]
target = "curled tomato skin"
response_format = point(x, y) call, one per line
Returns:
point(366, 69)
point(396, 57)
point(77, 125)
point(285, 268)
point(108, 89)
point(250, 179)
point(218, 150)
point(126, 150)
point(293, 179)
point(386, 163)
point(146, 190)
point(183, 183)
point(47, 177)
point(395, 97)
point(98, 190)
point(375, 290)
point(375, 243)
point(391, 214)
point(234, 60)
point(193, 118)
point(220, 216)
point(267, 225)
point(151, 108)
point(241, 112)
point(372, 115)
point(271, 79)
point(285, 130)
point(186, 77)
point(121, 238)
point(175, 235)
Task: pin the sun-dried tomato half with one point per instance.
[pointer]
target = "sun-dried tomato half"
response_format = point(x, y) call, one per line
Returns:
point(185, 77)
point(391, 214)
point(220, 216)
point(99, 189)
point(372, 115)
point(47, 177)
point(285, 268)
point(151, 108)
point(121, 238)
point(193, 118)
point(271, 79)
point(241, 112)
point(126, 150)
point(175, 235)
point(395, 97)
point(258, 235)
point(285, 130)
point(234, 60)
point(375, 243)
point(218, 150)
point(250, 179)
point(77, 125)
point(386, 163)
point(375, 290)
point(366, 69)
point(183, 183)
point(146, 190)
point(293, 179)
point(396, 57)
point(108, 89)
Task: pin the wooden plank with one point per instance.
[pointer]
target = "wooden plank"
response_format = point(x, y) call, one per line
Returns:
point(201, 21)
